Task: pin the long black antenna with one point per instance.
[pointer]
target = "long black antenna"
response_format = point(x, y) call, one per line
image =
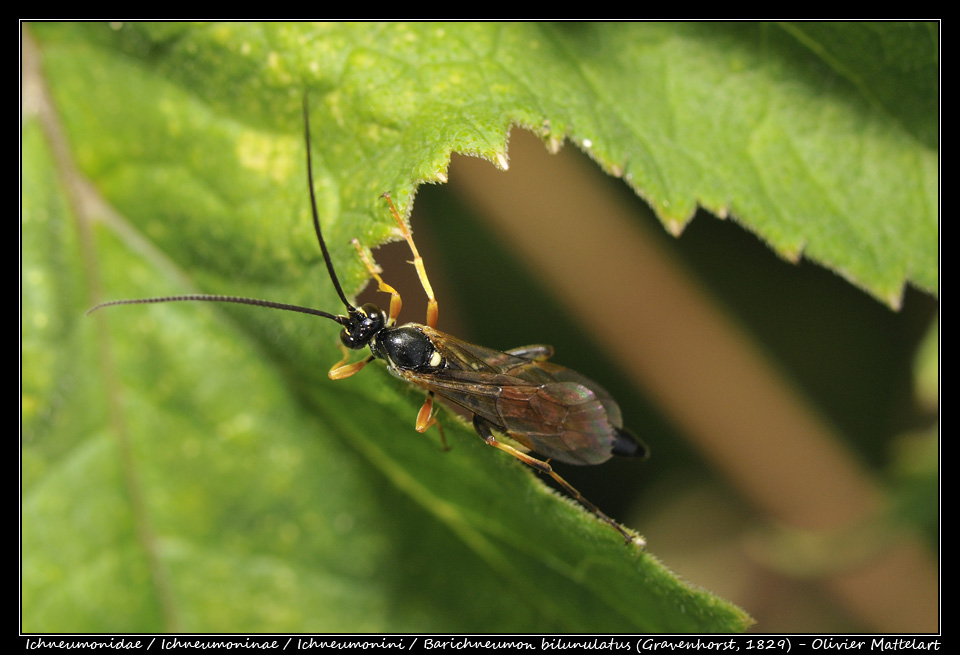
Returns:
point(313, 206)
point(201, 297)
point(212, 298)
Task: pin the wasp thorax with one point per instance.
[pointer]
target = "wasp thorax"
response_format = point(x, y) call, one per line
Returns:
point(408, 348)
point(361, 326)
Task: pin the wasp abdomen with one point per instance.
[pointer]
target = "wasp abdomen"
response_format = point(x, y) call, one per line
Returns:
point(627, 444)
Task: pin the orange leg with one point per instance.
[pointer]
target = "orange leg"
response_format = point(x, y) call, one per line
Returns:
point(484, 429)
point(432, 308)
point(426, 419)
point(395, 302)
point(342, 370)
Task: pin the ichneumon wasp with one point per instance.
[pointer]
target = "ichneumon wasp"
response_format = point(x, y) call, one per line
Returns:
point(545, 408)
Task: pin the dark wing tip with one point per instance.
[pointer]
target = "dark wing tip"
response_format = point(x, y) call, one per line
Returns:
point(627, 444)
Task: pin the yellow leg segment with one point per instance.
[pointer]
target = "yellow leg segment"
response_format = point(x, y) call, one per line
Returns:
point(432, 307)
point(483, 429)
point(426, 419)
point(342, 370)
point(395, 302)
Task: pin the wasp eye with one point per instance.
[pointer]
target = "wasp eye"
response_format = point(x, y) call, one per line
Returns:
point(347, 339)
point(372, 321)
point(372, 315)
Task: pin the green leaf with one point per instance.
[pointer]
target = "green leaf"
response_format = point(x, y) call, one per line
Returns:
point(802, 133)
point(191, 467)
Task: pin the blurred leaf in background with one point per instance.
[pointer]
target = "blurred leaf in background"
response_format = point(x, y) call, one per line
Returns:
point(192, 468)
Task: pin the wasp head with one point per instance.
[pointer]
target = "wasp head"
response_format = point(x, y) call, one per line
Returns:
point(360, 325)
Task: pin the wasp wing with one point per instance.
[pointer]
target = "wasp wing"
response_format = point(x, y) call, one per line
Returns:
point(550, 409)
